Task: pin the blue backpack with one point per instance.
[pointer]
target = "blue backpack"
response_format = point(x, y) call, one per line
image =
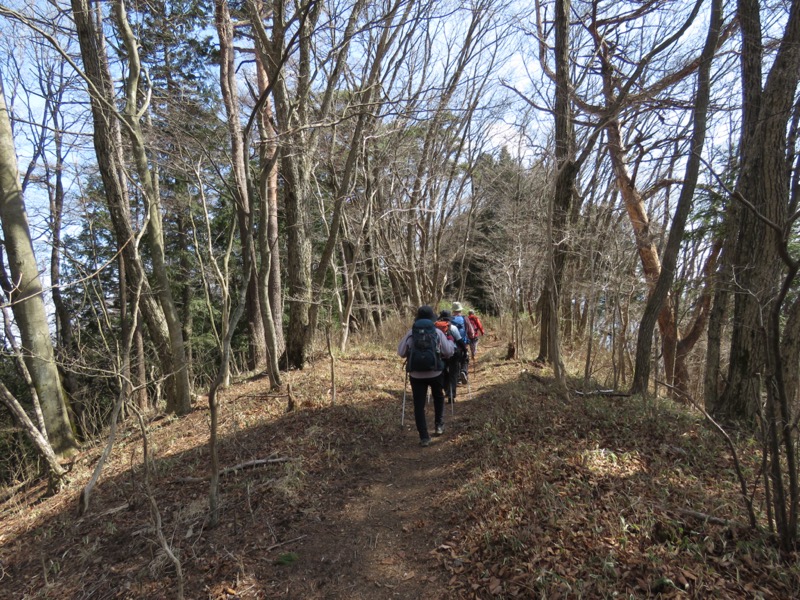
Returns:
point(458, 321)
point(425, 353)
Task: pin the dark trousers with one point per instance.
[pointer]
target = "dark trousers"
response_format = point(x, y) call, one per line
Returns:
point(419, 389)
point(465, 362)
point(450, 376)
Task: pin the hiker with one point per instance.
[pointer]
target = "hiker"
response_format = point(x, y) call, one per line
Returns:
point(453, 364)
point(426, 349)
point(477, 328)
point(465, 329)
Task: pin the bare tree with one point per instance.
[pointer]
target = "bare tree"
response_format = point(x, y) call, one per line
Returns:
point(240, 188)
point(765, 181)
point(669, 258)
point(27, 303)
point(158, 308)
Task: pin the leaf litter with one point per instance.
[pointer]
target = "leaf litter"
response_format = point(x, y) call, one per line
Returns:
point(523, 497)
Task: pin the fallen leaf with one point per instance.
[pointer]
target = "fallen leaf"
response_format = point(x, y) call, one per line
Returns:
point(495, 586)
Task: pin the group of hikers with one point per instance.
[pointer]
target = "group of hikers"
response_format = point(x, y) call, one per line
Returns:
point(437, 353)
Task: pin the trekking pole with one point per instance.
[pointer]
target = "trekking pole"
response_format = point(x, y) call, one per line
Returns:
point(403, 414)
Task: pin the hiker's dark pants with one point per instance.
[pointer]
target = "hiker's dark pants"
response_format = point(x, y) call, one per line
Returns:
point(465, 361)
point(450, 377)
point(419, 389)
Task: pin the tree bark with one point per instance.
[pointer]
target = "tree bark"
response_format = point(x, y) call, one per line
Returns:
point(179, 398)
point(764, 183)
point(227, 68)
point(27, 301)
point(108, 149)
point(661, 289)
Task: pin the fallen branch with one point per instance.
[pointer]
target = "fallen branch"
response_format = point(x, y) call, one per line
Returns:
point(260, 396)
point(239, 467)
point(607, 393)
point(279, 544)
point(706, 518)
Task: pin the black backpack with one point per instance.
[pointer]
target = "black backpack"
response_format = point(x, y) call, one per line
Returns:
point(425, 353)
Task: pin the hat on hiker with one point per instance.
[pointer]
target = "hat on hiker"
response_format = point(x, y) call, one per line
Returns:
point(457, 307)
point(445, 314)
point(425, 312)
point(472, 312)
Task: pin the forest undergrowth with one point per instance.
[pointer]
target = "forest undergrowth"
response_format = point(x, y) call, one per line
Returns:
point(525, 496)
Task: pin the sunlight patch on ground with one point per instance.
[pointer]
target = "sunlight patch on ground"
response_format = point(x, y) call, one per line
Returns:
point(603, 461)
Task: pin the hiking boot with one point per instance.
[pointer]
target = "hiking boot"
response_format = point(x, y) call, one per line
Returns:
point(425, 442)
point(439, 429)
point(463, 376)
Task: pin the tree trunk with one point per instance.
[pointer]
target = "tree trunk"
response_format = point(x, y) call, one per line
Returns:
point(764, 184)
point(244, 215)
point(269, 271)
point(42, 445)
point(108, 149)
point(179, 398)
point(187, 284)
point(27, 302)
point(268, 186)
point(567, 170)
point(661, 288)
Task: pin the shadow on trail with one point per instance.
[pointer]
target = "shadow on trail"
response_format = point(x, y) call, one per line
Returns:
point(358, 509)
point(346, 514)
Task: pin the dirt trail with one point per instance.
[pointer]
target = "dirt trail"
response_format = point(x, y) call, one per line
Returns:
point(383, 541)
point(367, 518)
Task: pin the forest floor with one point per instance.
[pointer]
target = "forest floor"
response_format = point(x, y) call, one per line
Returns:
point(524, 496)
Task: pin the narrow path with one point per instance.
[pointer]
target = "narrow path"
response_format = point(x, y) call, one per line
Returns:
point(382, 542)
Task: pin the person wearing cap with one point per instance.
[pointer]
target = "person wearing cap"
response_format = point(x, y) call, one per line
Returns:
point(464, 328)
point(422, 380)
point(478, 331)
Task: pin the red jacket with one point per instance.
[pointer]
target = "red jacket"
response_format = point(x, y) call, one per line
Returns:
point(477, 325)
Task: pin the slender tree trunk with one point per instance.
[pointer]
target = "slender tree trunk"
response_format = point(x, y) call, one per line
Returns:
point(187, 284)
point(666, 274)
point(648, 253)
point(712, 379)
point(42, 445)
point(269, 276)
point(268, 186)
point(27, 300)
point(108, 149)
point(227, 67)
point(179, 399)
point(64, 334)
